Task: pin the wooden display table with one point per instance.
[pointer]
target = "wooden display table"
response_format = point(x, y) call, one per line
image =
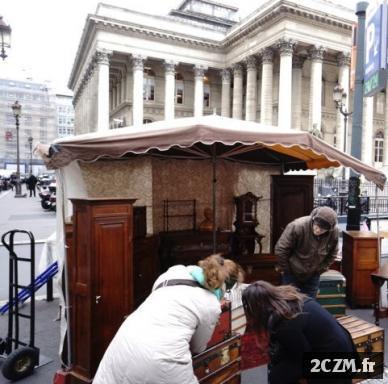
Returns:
point(360, 259)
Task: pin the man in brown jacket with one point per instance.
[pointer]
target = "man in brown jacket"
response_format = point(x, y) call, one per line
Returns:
point(306, 248)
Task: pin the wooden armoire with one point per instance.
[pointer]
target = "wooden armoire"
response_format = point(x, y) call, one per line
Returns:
point(100, 271)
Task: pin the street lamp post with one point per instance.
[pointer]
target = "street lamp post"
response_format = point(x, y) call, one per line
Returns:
point(30, 140)
point(5, 36)
point(17, 110)
point(339, 97)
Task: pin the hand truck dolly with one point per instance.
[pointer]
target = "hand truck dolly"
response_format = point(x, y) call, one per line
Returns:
point(20, 357)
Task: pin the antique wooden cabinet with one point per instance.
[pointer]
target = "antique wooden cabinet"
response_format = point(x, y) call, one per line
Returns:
point(292, 197)
point(100, 279)
point(359, 260)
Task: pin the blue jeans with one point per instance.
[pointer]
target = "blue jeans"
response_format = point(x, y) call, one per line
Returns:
point(308, 287)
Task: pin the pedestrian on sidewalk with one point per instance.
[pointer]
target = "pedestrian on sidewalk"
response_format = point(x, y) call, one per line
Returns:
point(31, 184)
point(306, 248)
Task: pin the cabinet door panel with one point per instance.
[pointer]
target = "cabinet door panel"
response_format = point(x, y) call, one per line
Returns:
point(112, 276)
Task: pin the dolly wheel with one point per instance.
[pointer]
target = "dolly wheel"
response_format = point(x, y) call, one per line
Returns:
point(20, 363)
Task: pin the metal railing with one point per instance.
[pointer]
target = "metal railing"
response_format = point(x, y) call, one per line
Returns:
point(339, 204)
point(334, 193)
point(340, 186)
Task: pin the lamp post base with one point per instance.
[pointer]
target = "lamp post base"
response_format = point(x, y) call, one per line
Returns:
point(21, 195)
point(18, 191)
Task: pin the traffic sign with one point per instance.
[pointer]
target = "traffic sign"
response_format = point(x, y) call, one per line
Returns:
point(375, 47)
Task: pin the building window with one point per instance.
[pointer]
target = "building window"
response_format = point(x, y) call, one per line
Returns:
point(380, 103)
point(323, 93)
point(43, 122)
point(206, 92)
point(379, 147)
point(206, 95)
point(179, 89)
point(147, 121)
point(149, 85)
point(28, 120)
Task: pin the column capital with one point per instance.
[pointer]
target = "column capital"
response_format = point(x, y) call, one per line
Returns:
point(102, 56)
point(138, 62)
point(267, 55)
point(343, 59)
point(285, 46)
point(169, 67)
point(251, 62)
point(225, 74)
point(237, 70)
point(199, 70)
point(298, 61)
point(317, 52)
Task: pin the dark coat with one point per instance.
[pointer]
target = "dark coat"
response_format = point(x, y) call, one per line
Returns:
point(314, 330)
point(31, 182)
point(301, 253)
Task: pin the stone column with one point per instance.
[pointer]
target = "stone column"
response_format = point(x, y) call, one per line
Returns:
point(385, 154)
point(123, 86)
point(199, 71)
point(102, 59)
point(118, 88)
point(114, 98)
point(129, 85)
point(367, 141)
point(251, 95)
point(296, 104)
point(343, 81)
point(169, 90)
point(315, 112)
point(286, 48)
point(266, 87)
point(225, 93)
point(128, 91)
point(137, 96)
point(237, 91)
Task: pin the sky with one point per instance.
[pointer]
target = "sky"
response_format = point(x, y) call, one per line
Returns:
point(46, 33)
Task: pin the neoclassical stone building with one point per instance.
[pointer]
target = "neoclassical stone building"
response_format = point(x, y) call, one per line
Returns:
point(278, 66)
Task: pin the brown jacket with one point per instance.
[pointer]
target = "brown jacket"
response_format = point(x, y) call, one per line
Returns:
point(301, 253)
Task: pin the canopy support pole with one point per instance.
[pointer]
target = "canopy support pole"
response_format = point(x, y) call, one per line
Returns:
point(214, 181)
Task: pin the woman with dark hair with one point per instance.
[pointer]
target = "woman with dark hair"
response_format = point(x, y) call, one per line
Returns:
point(296, 324)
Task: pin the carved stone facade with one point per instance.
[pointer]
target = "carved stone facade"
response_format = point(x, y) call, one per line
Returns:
point(279, 67)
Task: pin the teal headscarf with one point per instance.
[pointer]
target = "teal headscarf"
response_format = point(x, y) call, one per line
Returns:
point(198, 275)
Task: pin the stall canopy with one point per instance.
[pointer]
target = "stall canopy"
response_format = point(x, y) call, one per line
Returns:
point(208, 137)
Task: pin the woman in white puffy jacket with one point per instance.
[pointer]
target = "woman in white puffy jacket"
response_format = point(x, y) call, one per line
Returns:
point(155, 343)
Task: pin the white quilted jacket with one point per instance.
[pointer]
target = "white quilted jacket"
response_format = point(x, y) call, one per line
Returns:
point(153, 344)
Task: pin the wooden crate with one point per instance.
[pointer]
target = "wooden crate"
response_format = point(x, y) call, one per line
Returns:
point(367, 337)
point(219, 364)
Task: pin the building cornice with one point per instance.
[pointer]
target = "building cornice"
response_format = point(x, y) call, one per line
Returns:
point(282, 9)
